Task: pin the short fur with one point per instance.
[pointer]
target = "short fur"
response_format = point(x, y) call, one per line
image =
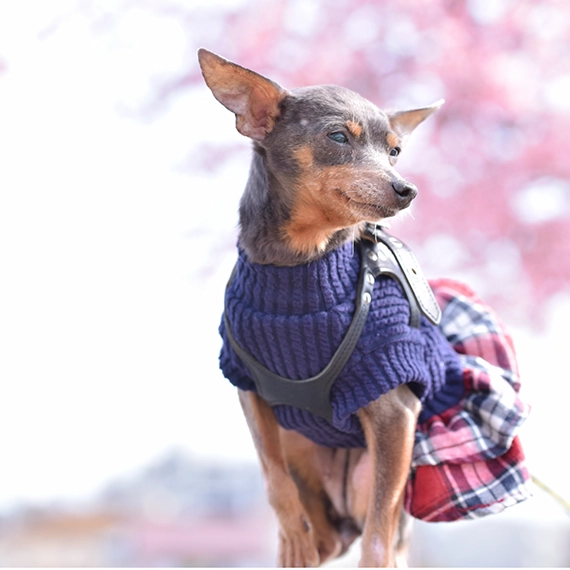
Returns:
point(323, 166)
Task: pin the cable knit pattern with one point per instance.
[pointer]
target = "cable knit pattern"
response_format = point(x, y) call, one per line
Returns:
point(292, 319)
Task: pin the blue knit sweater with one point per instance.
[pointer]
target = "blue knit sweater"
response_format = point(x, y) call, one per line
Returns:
point(292, 319)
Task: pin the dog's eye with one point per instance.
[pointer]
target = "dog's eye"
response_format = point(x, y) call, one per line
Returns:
point(338, 137)
point(395, 151)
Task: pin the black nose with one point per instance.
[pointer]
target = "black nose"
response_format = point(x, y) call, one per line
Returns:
point(405, 190)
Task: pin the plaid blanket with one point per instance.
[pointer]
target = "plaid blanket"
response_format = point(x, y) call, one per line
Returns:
point(467, 461)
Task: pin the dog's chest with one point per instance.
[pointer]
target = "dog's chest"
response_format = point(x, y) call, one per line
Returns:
point(292, 319)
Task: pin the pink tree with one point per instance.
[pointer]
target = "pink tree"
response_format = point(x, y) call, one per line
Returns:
point(492, 168)
point(493, 171)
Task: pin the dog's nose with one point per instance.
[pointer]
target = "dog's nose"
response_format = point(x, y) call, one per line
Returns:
point(405, 190)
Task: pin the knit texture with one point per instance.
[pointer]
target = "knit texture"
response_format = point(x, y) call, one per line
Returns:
point(292, 319)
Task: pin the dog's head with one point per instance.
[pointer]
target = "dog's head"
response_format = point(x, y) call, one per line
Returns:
point(332, 151)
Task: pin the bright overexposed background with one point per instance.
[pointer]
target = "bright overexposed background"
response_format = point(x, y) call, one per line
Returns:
point(111, 281)
point(117, 227)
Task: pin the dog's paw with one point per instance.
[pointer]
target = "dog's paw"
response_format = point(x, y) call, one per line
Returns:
point(297, 546)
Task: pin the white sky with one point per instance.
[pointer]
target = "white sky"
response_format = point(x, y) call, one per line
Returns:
point(108, 338)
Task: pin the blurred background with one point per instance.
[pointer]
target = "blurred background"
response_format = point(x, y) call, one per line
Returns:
point(121, 444)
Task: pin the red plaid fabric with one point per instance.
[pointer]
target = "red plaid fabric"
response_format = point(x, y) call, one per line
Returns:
point(467, 461)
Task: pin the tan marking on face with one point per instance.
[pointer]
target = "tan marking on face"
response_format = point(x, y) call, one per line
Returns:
point(354, 128)
point(392, 140)
point(304, 156)
point(331, 198)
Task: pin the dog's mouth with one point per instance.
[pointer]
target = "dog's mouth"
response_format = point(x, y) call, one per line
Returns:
point(379, 210)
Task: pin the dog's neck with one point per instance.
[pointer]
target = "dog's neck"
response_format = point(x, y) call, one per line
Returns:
point(265, 209)
point(312, 288)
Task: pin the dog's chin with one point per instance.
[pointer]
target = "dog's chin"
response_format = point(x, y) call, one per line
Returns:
point(398, 212)
point(369, 211)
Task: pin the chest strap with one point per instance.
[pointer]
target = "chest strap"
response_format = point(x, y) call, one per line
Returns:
point(380, 254)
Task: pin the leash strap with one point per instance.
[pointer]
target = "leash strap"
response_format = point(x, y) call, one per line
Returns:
point(380, 254)
point(559, 499)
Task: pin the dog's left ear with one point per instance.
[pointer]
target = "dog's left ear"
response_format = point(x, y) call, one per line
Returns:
point(404, 122)
point(254, 99)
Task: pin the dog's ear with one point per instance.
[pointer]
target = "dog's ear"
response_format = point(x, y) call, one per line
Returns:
point(253, 98)
point(404, 122)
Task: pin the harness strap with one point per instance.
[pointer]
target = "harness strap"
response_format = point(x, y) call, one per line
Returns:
point(414, 282)
point(378, 256)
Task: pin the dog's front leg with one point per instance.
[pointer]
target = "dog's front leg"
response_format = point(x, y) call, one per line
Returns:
point(389, 425)
point(296, 541)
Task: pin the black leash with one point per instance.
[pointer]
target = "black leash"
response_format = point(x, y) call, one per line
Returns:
point(380, 254)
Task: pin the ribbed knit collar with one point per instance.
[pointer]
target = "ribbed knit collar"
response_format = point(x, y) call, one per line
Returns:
point(302, 289)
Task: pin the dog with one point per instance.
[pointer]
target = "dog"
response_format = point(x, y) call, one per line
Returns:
point(323, 170)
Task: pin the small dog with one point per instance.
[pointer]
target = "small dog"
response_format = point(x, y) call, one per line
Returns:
point(324, 168)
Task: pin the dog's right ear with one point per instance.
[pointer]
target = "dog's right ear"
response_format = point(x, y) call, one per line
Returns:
point(404, 122)
point(254, 99)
